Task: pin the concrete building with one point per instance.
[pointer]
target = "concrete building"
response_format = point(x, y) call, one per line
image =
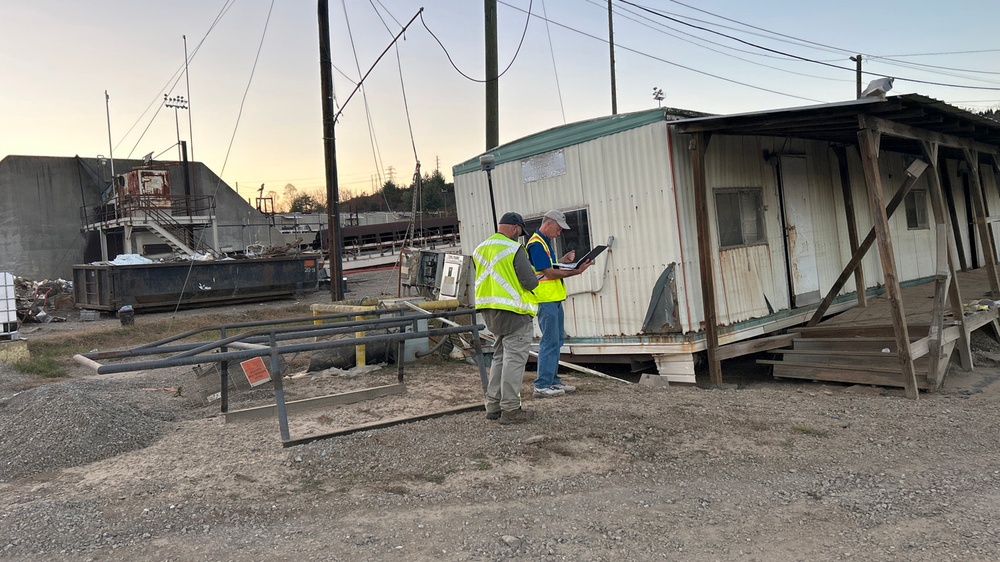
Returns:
point(44, 202)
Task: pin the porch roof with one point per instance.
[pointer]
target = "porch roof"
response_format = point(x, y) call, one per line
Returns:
point(839, 122)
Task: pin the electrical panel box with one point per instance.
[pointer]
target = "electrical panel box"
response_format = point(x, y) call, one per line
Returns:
point(454, 282)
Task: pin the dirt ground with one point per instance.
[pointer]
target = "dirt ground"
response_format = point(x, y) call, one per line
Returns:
point(125, 467)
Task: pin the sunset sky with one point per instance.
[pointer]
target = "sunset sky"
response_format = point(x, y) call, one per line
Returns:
point(257, 118)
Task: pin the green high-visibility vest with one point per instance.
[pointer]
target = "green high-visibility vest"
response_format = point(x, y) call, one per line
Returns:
point(496, 281)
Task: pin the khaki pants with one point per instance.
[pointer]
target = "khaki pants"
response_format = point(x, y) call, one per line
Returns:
point(507, 372)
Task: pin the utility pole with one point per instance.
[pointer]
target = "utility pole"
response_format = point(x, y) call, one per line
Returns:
point(492, 80)
point(611, 45)
point(334, 256)
point(857, 59)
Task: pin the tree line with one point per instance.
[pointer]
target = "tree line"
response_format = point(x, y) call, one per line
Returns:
point(436, 196)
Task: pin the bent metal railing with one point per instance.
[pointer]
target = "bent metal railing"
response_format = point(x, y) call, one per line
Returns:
point(273, 339)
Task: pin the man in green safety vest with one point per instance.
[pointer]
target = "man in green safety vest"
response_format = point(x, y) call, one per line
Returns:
point(504, 281)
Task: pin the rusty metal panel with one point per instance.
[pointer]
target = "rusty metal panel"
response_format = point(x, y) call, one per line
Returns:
point(151, 186)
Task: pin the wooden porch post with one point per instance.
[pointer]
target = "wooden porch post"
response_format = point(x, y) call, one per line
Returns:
point(852, 222)
point(946, 284)
point(954, 296)
point(979, 208)
point(706, 256)
point(869, 138)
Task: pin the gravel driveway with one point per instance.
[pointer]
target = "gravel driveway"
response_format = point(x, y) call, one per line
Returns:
point(126, 468)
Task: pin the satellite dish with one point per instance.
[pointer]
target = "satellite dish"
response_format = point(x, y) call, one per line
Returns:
point(877, 88)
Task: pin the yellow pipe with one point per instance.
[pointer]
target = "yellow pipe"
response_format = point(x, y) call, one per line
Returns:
point(359, 350)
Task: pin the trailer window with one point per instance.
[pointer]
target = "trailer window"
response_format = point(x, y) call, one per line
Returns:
point(740, 214)
point(916, 210)
point(576, 238)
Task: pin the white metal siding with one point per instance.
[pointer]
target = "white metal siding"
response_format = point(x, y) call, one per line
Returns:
point(638, 187)
point(624, 182)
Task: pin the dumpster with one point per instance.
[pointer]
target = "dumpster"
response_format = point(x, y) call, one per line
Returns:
point(191, 284)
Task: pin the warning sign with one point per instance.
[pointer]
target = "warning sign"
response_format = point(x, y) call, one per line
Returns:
point(256, 371)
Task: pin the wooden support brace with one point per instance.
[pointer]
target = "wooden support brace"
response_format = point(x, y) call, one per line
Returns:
point(913, 174)
point(880, 220)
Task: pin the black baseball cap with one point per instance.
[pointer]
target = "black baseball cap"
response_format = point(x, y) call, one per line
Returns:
point(514, 219)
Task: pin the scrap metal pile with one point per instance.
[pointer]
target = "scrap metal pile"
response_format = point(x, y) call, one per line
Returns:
point(37, 299)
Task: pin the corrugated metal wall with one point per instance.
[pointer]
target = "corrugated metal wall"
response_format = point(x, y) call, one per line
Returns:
point(624, 182)
point(638, 187)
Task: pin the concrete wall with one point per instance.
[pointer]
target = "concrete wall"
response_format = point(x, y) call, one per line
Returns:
point(40, 211)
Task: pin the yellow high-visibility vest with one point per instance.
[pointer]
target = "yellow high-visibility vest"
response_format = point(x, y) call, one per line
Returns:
point(496, 281)
point(549, 290)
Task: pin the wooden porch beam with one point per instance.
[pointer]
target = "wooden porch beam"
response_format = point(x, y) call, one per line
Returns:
point(915, 133)
point(913, 173)
point(706, 256)
point(880, 220)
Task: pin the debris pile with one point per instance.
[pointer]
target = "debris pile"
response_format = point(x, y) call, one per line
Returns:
point(35, 299)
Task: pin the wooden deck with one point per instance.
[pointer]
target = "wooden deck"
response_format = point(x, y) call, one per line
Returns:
point(859, 345)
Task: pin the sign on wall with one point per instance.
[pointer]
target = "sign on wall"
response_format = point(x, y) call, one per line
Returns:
point(542, 166)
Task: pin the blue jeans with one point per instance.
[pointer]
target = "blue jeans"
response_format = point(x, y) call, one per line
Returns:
point(550, 320)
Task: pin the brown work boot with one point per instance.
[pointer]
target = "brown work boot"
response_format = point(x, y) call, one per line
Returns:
point(519, 415)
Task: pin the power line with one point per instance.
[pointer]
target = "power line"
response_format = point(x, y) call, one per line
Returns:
point(510, 64)
point(824, 46)
point(805, 59)
point(175, 78)
point(672, 63)
point(659, 25)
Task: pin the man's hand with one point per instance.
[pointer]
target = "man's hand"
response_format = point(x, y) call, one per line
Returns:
point(570, 257)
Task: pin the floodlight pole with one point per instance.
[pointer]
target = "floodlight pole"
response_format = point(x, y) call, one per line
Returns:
point(176, 103)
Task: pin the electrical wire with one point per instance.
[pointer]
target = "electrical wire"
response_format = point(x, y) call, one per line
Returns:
point(805, 59)
point(695, 37)
point(232, 140)
point(371, 126)
point(402, 85)
point(173, 80)
point(555, 69)
point(510, 64)
point(884, 58)
point(671, 63)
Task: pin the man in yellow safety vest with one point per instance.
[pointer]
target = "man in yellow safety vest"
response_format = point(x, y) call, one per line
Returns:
point(504, 281)
point(551, 293)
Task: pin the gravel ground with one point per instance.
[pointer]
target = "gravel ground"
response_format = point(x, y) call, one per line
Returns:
point(123, 468)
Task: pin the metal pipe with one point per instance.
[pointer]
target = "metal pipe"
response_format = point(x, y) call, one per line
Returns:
point(251, 353)
point(279, 391)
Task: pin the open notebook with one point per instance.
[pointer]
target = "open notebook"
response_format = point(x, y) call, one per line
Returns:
point(576, 265)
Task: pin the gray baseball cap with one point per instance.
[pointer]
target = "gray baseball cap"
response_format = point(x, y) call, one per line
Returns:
point(559, 217)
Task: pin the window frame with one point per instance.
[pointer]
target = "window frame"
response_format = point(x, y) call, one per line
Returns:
point(576, 238)
point(911, 204)
point(758, 192)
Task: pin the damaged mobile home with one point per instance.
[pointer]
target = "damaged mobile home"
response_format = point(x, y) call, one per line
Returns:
point(726, 232)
